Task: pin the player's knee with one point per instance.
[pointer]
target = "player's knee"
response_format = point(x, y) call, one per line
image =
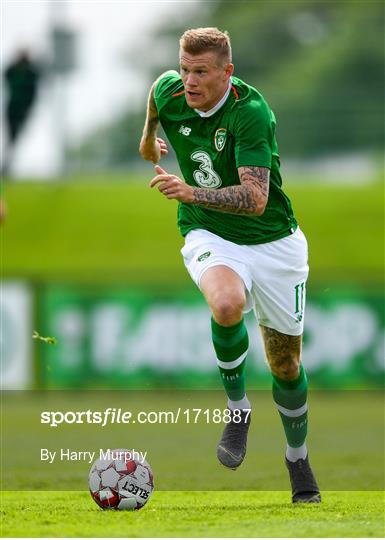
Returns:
point(287, 368)
point(228, 308)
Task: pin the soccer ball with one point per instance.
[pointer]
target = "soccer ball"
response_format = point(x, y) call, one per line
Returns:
point(121, 482)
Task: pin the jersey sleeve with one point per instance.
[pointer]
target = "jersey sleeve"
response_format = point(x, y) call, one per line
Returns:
point(166, 86)
point(254, 134)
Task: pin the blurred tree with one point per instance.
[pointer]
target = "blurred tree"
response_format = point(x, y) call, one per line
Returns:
point(320, 65)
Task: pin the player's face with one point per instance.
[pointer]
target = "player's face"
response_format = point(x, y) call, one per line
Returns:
point(205, 79)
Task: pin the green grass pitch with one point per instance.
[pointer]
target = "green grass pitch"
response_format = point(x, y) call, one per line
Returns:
point(340, 459)
point(345, 440)
point(195, 514)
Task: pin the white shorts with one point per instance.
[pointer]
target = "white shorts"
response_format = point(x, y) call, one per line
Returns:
point(274, 274)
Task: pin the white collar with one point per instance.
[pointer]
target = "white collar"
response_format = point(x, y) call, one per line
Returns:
point(216, 107)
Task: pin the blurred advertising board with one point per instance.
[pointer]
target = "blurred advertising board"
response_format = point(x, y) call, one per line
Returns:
point(16, 335)
point(120, 337)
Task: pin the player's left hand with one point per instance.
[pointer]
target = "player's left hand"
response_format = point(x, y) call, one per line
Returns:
point(171, 186)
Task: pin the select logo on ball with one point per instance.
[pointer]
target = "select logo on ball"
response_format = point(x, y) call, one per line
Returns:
point(122, 482)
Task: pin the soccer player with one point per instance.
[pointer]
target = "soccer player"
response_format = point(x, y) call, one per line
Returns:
point(243, 247)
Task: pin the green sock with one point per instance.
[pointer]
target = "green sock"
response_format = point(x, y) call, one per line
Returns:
point(290, 398)
point(231, 344)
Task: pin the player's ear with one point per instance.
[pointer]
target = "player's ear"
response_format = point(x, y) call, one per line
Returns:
point(229, 70)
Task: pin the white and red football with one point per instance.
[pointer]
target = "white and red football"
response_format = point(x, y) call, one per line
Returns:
point(122, 481)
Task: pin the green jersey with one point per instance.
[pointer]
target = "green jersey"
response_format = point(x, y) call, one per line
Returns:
point(210, 150)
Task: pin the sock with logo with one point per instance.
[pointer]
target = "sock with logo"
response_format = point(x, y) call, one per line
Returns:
point(291, 400)
point(231, 344)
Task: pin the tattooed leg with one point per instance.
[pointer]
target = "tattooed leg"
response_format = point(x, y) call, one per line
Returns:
point(290, 397)
point(283, 353)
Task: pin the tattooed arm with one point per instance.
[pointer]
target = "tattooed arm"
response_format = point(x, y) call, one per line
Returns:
point(248, 198)
point(152, 147)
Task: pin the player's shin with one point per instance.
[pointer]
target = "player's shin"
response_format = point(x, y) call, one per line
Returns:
point(231, 345)
point(291, 400)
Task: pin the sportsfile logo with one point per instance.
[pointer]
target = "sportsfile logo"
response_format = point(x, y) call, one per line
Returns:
point(185, 130)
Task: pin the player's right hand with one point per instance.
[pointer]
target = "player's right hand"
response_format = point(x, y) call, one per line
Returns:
point(152, 150)
point(162, 145)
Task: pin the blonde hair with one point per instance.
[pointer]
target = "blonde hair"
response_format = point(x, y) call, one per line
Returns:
point(200, 40)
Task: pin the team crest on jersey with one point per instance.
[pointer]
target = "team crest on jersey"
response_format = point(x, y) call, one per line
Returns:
point(220, 138)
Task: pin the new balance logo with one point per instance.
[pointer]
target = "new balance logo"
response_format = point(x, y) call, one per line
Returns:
point(185, 130)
